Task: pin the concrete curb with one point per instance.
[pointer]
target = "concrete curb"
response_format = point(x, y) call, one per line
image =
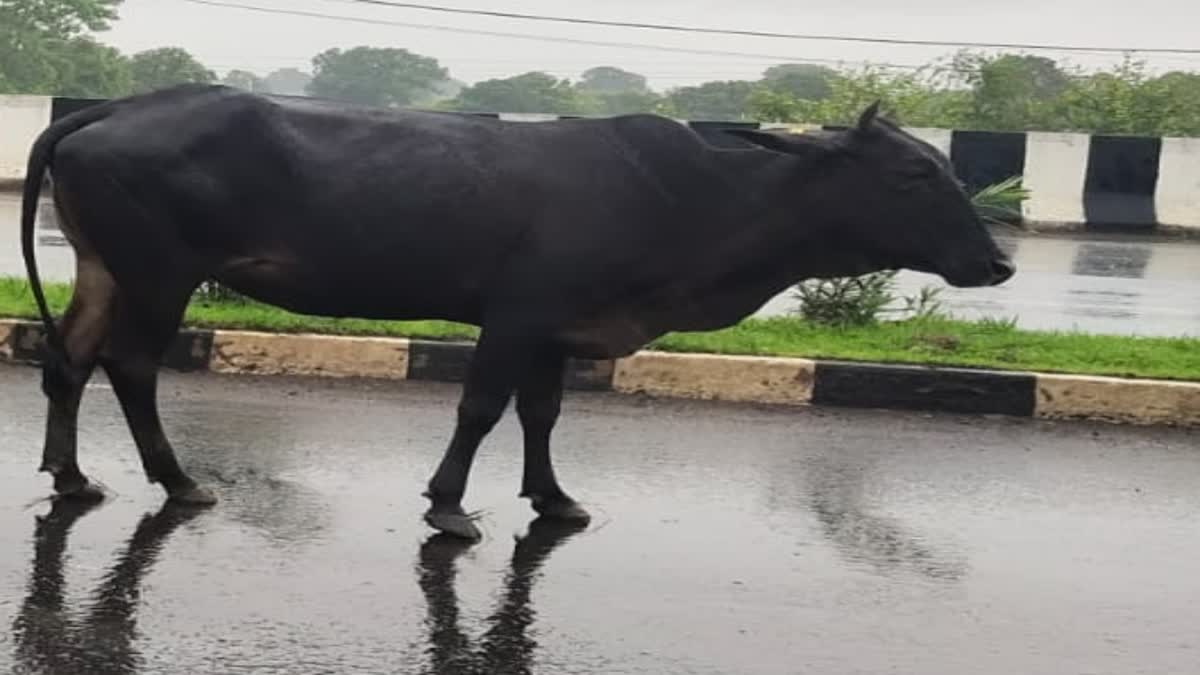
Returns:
point(746, 379)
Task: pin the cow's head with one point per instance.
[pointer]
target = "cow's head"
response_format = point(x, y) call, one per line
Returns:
point(893, 200)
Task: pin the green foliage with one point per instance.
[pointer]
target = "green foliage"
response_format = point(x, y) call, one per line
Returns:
point(768, 105)
point(619, 104)
point(41, 39)
point(606, 90)
point(607, 80)
point(89, 69)
point(1001, 202)
point(915, 99)
point(1002, 92)
point(375, 76)
point(1011, 92)
point(166, 67)
point(801, 81)
point(845, 301)
point(1125, 100)
point(723, 101)
point(63, 18)
point(863, 300)
point(532, 92)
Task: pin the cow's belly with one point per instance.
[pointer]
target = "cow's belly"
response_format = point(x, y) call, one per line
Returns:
point(348, 291)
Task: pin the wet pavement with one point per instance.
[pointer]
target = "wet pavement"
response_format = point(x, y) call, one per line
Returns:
point(727, 539)
point(1124, 285)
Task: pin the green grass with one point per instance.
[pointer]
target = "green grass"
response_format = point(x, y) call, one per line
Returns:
point(986, 344)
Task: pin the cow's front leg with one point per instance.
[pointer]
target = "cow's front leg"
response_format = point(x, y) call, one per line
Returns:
point(539, 400)
point(496, 366)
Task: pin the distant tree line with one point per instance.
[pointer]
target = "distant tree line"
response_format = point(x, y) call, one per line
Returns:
point(45, 49)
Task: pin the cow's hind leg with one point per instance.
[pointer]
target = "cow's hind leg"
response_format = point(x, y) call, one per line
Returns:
point(539, 400)
point(497, 366)
point(141, 333)
point(83, 329)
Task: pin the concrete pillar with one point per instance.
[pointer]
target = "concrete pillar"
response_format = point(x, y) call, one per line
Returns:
point(1055, 171)
point(1177, 199)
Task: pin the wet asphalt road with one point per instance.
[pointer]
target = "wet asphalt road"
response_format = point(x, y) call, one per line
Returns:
point(727, 539)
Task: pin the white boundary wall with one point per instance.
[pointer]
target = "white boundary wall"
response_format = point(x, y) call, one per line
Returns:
point(22, 118)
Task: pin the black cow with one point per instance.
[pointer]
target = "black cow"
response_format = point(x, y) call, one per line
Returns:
point(573, 238)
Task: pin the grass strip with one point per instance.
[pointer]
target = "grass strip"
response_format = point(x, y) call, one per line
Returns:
point(937, 341)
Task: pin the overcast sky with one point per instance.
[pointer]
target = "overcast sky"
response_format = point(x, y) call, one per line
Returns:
point(226, 38)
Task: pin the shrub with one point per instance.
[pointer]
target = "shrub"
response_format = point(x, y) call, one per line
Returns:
point(846, 301)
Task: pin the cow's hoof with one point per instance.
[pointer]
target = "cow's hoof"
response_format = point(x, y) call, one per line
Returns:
point(80, 492)
point(194, 496)
point(563, 509)
point(453, 522)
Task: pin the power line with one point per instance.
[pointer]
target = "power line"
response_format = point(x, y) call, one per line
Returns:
point(765, 34)
point(545, 38)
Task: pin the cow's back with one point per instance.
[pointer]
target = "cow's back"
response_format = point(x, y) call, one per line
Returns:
point(433, 207)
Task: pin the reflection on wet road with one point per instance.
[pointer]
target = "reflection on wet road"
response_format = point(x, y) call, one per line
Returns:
point(727, 539)
point(1118, 285)
point(48, 639)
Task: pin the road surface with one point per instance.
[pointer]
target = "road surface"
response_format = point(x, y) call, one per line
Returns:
point(727, 539)
point(1123, 285)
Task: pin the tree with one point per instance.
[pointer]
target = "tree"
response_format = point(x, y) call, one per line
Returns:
point(1125, 100)
point(608, 80)
point(606, 90)
point(165, 67)
point(527, 93)
point(722, 101)
point(1012, 92)
point(35, 33)
point(441, 94)
point(1178, 94)
point(375, 76)
point(288, 82)
point(620, 104)
point(87, 69)
point(913, 99)
point(800, 80)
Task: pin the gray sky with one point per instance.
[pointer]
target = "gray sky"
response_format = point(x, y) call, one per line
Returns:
point(231, 38)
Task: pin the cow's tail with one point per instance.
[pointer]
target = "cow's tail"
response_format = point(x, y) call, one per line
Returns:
point(39, 160)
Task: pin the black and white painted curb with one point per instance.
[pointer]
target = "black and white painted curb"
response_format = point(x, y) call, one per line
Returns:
point(746, 379)
point(1130, 184)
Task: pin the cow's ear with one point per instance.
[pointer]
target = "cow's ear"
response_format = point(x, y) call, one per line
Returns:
point(763, 139)
point(867, 118)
